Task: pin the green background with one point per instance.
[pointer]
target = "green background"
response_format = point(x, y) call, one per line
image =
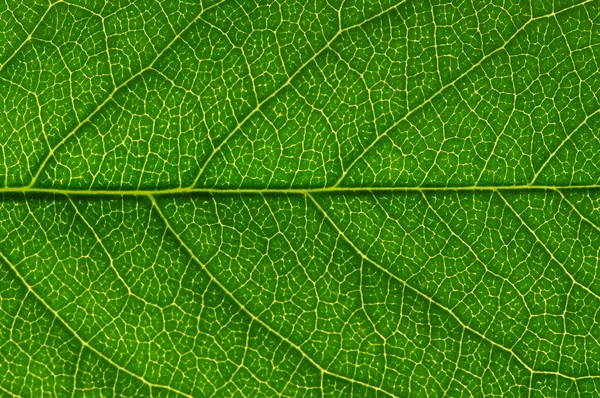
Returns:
point(300, 198)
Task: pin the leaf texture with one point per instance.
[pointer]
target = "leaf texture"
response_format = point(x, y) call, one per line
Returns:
point(300, 198)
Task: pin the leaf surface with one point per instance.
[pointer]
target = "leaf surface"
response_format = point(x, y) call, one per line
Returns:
point(296, 198)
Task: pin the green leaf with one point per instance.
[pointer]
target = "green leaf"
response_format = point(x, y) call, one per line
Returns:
point(300, 198)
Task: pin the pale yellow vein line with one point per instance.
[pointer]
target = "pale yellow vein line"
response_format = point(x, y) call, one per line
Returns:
point(597, 228)
point(77, 369)
point(250, 314)
point(532, 232)
point(78, 337)
point(432, 301)
point(563, 142)
point(300, 191)
point(29, 36)
point(289, 80)
point(5, 391)
point(242, 365)
point(113, 92)
point(470, 249)
point(446, 86)
point(108, 254)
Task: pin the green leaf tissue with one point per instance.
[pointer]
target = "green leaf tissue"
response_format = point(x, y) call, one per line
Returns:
point(299, 198)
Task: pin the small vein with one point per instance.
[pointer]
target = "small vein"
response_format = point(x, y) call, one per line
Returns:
point(289, 80)
point(5, 391)
point(29, 36)
point(109, 98)
point(83, 342)
point(77, 368)
point(476, 255)
point(108, 254)
point(250, 314)
point(444, 87)
point(562, 266)
point(563, 142)
point(584, 218)
point(434, 302)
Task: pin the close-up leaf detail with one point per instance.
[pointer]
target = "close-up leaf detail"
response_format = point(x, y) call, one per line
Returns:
point(299, 198)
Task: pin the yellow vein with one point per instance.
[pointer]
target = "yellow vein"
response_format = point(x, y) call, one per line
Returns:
point(108, 254)
point(250, 314)
point(299, 191)
point(29, 36)
point(431, 300)
point(78, 337)
point(289, 80)
point(596, 227)
point(561, 265)
point(113, 92)
point(444, 87)
point(475, 254)
point(563, 142)
point(5, 391)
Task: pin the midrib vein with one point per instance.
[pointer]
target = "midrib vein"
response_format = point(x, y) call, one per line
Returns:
point(298, 191)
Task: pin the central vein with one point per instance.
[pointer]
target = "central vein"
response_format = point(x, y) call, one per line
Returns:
point(298, 191)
